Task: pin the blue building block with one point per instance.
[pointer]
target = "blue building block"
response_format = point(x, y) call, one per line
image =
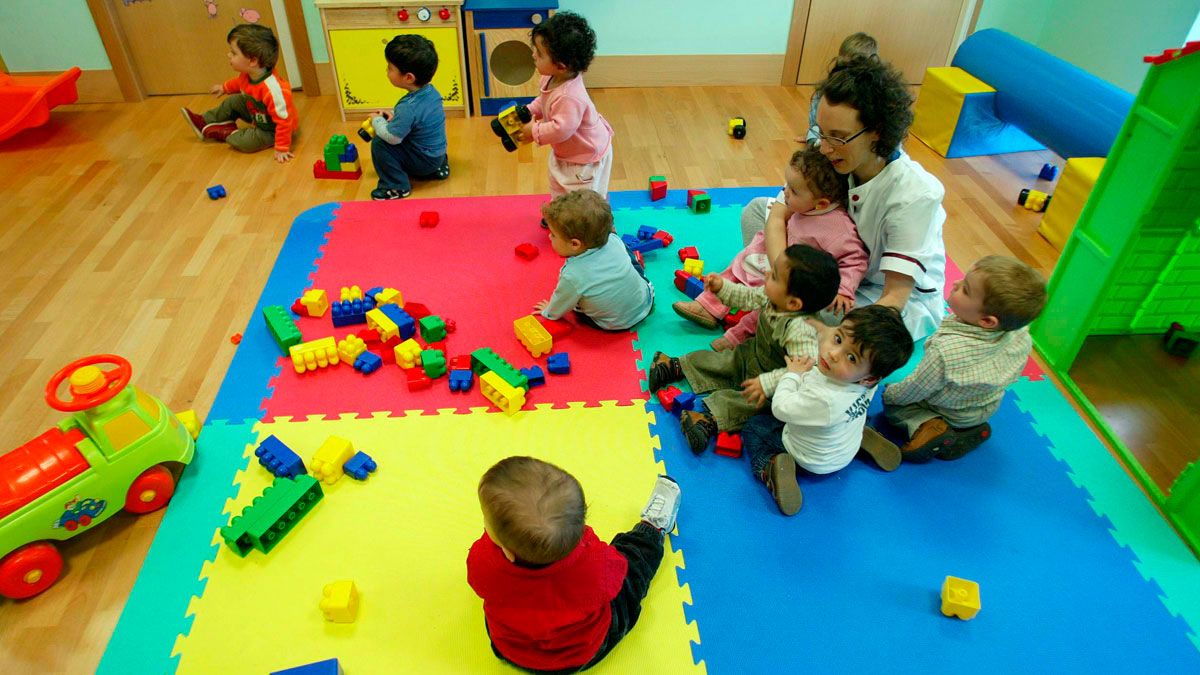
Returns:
point(1048, 172)
point(630, 241)
point(216, 192)
point(360, 466)
point(693, 287)
point(646, 232)
point(535, 375)
point(350, 154)
point(279, 458)
point(368, 362)
point(348, 312)
point(461, 379)
point(642, 246)
point(685, 400)
point(370, 293)
point(559, 363)
point(326, 667)
point(402, 319)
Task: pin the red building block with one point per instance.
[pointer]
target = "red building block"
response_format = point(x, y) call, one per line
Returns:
point(417, 380)
point(387, 351)
point(416, 310)
point(556, 329)
point(693, 193)
point(729, 445)
point(665, 237)
point(637, 255)
point(460, 362)
point(688, 252)
point(658, 190)
point(299, 309)
point(666, 396)
point(681, 279)
point(368, 335)
point(319, 171)
point(732, 318)
point(527, 251)
point(429, 219)
point(450, 324)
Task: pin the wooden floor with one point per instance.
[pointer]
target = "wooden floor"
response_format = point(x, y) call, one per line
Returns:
point(111, 245)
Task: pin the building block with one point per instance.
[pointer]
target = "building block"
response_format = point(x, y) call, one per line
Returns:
point(1034, 200)
point(433, 362)
point(387, 350)
point(326, 667)
point(642, 245)
point(693, 266)
point(349, 312)
point(417, 310)
point(368, 335)
point(1048, 172)
point(268, 519)
point(681, 279)
point(637, 258)
point(685, 400)
point(960, 597)
point(559, 363)
point(433, 329)
point(665, 237)
point(666, 396)
point(460, 362)
point(734, 317)
point(737, 127)
point(484, 360)
point(360, 466)
point(701, 203)
point(314, 354)
point(451, 324)
point(316, 301)
point(328, 460)
point(417, 380)
point(658, 188)
point(387, 296)
point(461, 379)
point(334, 149)
point(339, 602)
point(350, 293)
point(535, 375)
point(693, 287)
point(350, 155)
point(533, 335)
point(688, 252)
point(282, 327)
point(646, 232)
point(506, 397)
point(390, 321)
point(321, 172)
point(188, 419)
point(407, 353)
point(368, 362)
point(366, 130)
point(527, 251)
point(350, 347)
point(216, 192)
point(279, 459)
point(428, 219)
point(692, 194)
point(557, 328)
point(729, 445)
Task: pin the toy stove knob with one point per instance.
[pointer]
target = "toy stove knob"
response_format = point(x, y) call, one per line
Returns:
point(444, 14)
point(402, 15)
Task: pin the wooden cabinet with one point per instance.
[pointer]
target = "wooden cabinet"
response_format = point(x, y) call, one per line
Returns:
point(356, 32)
point(498, 42)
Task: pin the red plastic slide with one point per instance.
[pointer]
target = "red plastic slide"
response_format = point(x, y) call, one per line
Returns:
point(25, 102)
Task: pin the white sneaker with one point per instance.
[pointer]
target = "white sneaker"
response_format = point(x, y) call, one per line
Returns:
point(663, 506)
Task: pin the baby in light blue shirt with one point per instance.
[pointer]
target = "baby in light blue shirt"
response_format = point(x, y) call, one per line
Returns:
point(598, 280)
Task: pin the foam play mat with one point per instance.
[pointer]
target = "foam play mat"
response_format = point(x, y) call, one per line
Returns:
point(1077, 571)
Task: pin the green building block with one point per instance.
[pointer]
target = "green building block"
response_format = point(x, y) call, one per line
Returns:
point(484, 359)
point(282, 327)
point(335, 148)
point(701, 204)
point(272, 514)
point(433, 329)
point(434, 362)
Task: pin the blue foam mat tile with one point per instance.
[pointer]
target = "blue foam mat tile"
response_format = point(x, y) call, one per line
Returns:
point(156, 612)
point(864, 560)
point(257, 360)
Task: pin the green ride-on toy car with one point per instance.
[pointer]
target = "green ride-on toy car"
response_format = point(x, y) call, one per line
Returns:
point(121, 448)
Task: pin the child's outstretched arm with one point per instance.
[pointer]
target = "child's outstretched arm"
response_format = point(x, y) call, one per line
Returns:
point(563, 300)
point(775, 231)
point(560, 124)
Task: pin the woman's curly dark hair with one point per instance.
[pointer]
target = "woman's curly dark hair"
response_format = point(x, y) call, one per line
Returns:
point(569, 40)
point(877, 91)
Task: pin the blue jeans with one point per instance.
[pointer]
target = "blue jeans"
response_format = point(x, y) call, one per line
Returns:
point(394, 163)
point(762, 439)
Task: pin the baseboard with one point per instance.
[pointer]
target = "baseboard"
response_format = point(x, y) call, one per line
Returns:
point(684, 70)
point(94, 86)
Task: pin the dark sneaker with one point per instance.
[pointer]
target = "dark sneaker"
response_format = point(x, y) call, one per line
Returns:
point(884, 452)
point(663, 507)
point(387, 194)
point(195, 122)
point(930, 436)
point(218, 131)
point(780, 478)
point(443, 171)
point(698, 428)
point(663, 371)
point(965, 440)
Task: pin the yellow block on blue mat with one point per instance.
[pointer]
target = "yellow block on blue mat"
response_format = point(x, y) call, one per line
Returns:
point(403, 538)
point(1072, 192)
point(935, 114)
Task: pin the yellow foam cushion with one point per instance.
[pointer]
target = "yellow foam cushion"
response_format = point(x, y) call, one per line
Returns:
point(935, 114)
point(1071, 193)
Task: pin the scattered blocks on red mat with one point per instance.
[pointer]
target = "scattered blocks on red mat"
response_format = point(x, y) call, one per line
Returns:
point(429, 219)
point(527, 251)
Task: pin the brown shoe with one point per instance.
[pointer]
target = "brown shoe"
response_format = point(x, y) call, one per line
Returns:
point(663, 371)
point(930, 437)
point(219, 131)
point(721, 344)
point(695, 312)
point(781, 481)
point(965, 440)
point(698, 428)
point(884, 452)
point(195, 122)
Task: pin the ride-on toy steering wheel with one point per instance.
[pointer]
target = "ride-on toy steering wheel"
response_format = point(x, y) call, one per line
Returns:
point(97, 386)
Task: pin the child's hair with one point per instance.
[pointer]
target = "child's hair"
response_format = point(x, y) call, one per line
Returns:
point(882, 337)
point(256, 42)
point(535, 508)
point(1013, 292)
point(819, 175)
point(582, 215)
point(413, 54)
point(813, 278)
point(858, 44)
point(877, 91)
point(568, 39)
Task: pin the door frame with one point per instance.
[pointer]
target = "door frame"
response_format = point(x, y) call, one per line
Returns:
point(117, 48)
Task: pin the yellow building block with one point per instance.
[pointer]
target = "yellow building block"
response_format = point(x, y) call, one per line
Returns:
point(190, 422)
point(314, 354)
point(935, 114)
point(354, 292)
point(408, 353)
point(316, 301)
point(1071, 193)
point(508, 398)
point(693, 266)
point(389, 296)
point(960, 597)
point(339, 602)
point(350, 347)
point(382, 324)
point(533, 335)
point(327, 461)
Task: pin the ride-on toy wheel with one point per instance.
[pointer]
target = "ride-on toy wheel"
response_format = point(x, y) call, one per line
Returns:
point(92, 386)
point(29, 570)
point(150, 491)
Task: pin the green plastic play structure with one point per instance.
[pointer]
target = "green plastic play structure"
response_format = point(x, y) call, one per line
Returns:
point(1132, 264)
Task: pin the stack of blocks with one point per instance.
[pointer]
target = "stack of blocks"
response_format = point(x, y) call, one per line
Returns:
point(340, 162)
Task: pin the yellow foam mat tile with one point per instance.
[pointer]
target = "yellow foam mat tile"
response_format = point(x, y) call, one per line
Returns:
point(403, 537)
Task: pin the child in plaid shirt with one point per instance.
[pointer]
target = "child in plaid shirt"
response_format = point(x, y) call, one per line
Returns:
point(978, 350)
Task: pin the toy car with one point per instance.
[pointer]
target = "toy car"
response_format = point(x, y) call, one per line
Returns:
point(508, 122)
point(118, 449)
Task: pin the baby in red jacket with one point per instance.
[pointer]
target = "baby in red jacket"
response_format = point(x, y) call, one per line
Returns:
point(556, 597)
